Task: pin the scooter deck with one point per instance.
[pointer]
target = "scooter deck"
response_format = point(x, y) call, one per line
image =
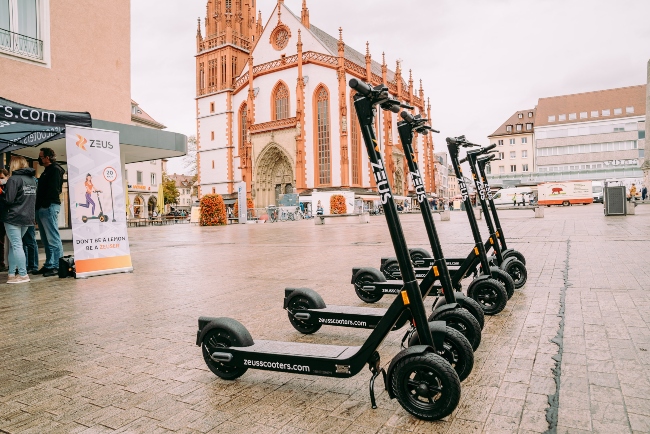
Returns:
point(353, 310)
point(300, 349)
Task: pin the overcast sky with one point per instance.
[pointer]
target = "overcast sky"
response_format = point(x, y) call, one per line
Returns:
point(480, 60)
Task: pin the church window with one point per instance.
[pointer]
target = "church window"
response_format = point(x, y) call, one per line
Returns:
point(355, 144)
point(228, 4)
point(243, 114)
point(323, 136)
point(223, 69)
point(281, 102)
point(280, 37)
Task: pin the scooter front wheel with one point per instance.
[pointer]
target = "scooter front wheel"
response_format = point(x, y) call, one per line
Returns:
point(516, 270)
point(511, 253)
point(469, 304)
point(504, 277)
point(461, 320)
point(367, 279)
point(490, 294)
point(417, 254)
point(303, 326)
point(215, 340)
point(456, 349)
point(426, 386)
point(391, 269)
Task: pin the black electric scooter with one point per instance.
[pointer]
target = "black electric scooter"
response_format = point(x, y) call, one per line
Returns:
point(101, 217)
point(424, 383)
point(482, 162)
point(308, 312)
point(511, 265)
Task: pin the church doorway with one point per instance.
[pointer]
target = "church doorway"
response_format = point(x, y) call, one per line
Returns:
point(274, 176)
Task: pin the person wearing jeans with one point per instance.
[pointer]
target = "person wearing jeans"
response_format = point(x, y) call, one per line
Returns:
point(17, 214)
point(30, 247)
point(48, 206)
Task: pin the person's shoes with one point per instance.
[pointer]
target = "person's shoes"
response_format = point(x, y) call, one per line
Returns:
point(19, 279)
point(41, 271)
point(33, 271)
point(51, 272)
point(10, 278)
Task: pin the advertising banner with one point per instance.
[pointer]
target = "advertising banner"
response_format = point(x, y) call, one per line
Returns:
point(97, 203)
point(242, 212)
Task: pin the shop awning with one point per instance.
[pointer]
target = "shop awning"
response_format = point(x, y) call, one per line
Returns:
point(367, 197)
point(22, 126)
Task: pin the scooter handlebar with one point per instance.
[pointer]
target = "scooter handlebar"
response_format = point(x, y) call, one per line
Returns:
point(360, 86)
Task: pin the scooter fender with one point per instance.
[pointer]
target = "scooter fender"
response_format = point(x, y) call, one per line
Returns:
point(237, 329)
point(443, 307)
point(438, 332)
point(376, 273)
point(410, 351)
point(315, 300)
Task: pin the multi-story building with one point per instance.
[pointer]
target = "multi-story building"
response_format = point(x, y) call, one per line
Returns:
point(452, 183)
point(515, 144)
point(441, 174)
point(187, 190)
point(274, 108)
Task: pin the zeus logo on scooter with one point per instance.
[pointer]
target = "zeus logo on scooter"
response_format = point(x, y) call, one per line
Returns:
point(463, 189)
point(382, 181)
point(481, 190)
point(419, 187)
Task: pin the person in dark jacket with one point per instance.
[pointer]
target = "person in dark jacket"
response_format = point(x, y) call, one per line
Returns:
point(30, 247)
point(4, 177)
point(48, 206)
point(17, 214)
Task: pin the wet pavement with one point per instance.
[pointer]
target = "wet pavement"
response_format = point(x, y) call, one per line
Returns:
point(117, 353)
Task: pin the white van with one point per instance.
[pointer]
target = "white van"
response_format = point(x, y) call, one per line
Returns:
point(505, 195)
point(597, 191)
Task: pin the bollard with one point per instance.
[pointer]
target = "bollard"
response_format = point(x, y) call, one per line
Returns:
point(319, 220)
point(631, 208)
point(539, 212)
point(364, 217)
point(445, 216)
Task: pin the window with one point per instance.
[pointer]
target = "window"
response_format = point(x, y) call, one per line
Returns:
point(519, 127)
point(605, 112)
point(213, 164)
point(211, 135)
point(529, 127)
point(512, 141)
point(520, 115)
point(280, 102)
point(561, 118)
point(214, 190)
point(530, 114)
point(641, 134)
point(594, 113)
point(20, 28)
point(243, 130)
point(524, 140)
point(509, 128)
point(618, 111)
point(488, 169)
point(551, 118)
point(355, 144)
point(513, 168)
point(153, 180)
point(629, 109)
point(211, 107)
point(513, 155)
point(500, 142)
point(524, 168)
point(583, 115)
point(524, 154)
point(572, 116)
point(502, 169)
point(323, 136)
point(502, 155)
point(138, 178)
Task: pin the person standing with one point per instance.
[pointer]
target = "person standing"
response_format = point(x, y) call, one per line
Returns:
point(633, 192)
point(17, 214)
point(644, 192)
point(4, 176)
point(48, 206)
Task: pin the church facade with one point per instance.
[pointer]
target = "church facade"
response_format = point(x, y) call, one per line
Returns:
point(274, 108)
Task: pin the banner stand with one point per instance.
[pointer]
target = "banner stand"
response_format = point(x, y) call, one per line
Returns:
point(101, 243)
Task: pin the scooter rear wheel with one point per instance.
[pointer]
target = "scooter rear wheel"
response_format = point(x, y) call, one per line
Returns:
point(504, 277)
point(307, 327)
point(456, 350)
point(517, 271)
point(215, 340)
point(511, 253)
point(463, 321)
point(391, 270)
point(469, 304)
point(368, 296)
point(418, 254)
point(426, 386)
point(490, 294)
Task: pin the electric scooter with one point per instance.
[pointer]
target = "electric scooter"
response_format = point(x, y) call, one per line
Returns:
point(423, 382)
point(308, 312)
point(102, 217)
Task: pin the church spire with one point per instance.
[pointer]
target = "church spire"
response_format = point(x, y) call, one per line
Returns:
point(368, 63)
point(305, 14)
point(280, 3)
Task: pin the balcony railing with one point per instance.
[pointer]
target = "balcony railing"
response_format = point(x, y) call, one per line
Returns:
point(22, 45)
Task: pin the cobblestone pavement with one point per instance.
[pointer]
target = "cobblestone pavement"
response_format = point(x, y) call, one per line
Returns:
point(117, 354)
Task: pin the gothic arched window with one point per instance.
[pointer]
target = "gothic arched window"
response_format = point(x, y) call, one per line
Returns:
point(243, 127)
point(323, 151)
point(280, 102)
point(355, 144)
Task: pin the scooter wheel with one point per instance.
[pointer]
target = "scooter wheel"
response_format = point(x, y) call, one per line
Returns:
point(426, 386)
point(391, 270)
point(84, 219)
point(505, 279)
point(417, 254)
point(300, 302)
point(463, 321)
point(490, 294)
point(213, 341)
point(517, 271)
point(456, 349)
point(510, 253)
point(102, 218)
point(362, 280)
point(469, 304)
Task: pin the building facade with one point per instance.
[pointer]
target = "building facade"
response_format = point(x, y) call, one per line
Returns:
point(515, 144)
point(274, 108)
point(186, 187)
point(441, 170)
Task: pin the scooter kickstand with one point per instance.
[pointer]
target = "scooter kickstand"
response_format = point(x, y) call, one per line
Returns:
point(376, 369)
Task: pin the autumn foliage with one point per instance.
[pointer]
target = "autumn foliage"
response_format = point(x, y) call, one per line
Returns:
point(213, 210)
point(249, 205)
point(337, 204)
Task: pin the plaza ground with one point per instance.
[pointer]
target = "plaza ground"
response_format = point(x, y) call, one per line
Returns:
point(117, 353)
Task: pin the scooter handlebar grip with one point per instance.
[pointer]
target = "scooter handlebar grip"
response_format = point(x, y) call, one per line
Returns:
point(488, 148)
point(360, 86)
point(408, 117)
